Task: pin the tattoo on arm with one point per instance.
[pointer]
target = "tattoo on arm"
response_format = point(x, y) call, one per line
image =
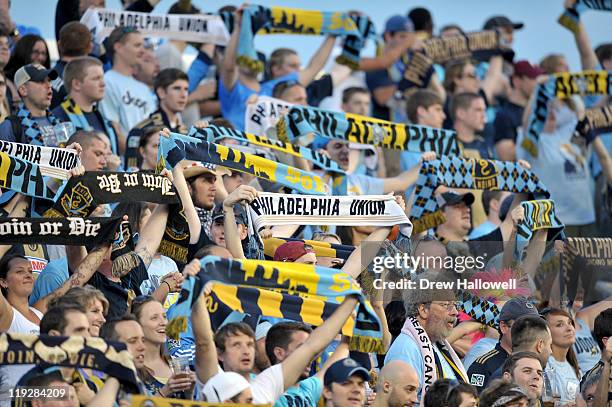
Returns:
point(145, 255)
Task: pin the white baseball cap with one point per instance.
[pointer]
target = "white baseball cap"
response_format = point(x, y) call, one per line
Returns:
point(223, 386)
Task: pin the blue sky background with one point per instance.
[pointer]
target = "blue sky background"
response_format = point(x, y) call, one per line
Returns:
point(542, 34)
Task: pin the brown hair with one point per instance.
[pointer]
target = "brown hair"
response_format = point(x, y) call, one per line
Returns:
point(571, 354)
point(232, 329)
point(513, 359)
point(550, 62)
point(84, 296)
point(454, 70)
point(77, 69)
point(278, 57)
point(74, 40)
point(421, 98)
point(461, 101)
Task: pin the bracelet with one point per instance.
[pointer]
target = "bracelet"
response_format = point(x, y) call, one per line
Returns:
point(169, 288)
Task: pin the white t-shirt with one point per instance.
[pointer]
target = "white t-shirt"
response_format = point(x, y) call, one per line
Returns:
point(267, 387)
point(126, 100)
point(20, 324)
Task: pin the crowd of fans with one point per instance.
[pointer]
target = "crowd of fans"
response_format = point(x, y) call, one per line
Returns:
point(117, 98)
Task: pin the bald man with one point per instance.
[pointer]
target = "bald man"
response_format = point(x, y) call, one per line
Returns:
point(397, 385)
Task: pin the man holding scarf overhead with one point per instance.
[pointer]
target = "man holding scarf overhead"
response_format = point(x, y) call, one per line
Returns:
point(238, 82)
point(431, 315)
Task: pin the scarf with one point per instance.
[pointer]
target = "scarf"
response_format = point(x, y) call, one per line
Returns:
point(200, 28)
point(81, 195)
point(458, 172)
point(321, 249)
point(479, 309)
point(282, 209)
point(31, 129)
point(480, 45)
point(562, 85)
point(23, 177)
point(571, 17)
point(539, 214)
point(585, 258)
point(303, 120)
point(77, 117)
point(261, 116)
point(213, 134)
point(52, 161)
point(58, 231)
point(150, 401)
point(178, 147)
point(292, 291)
point(432, 368)
point(282, 20)
point(45, 351)
point(596, 121)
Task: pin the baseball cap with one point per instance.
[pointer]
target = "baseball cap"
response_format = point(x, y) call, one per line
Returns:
point(524, 68)
point(452, 198)
point(502, 21)
point(342, 370)
point(193, 169)
point(517, 307)
point(223, 386)
point(398, 23)
point(33, 72)
point(239, 213)
point(291, 251)
point(504, 208)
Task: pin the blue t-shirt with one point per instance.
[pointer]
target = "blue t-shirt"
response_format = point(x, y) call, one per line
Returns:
point(233, 101)
point(50, 279)
point(484, 228)
point(586, 348)
point(305, 394)
point(406, 349)
point(563, 378)
point(477, 350)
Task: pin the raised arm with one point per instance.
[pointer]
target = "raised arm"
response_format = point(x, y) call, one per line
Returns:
point(403, 181)
point(341, 352)
point(244, 193)
point(151, 236)
point(535, 251)
point(493, 81)
point(193, 220)
point(295, 364)
point(604, 159)
point(229, 69)
point(79, 278)
point(588, 314)
point(206, 354)
point(317, 62)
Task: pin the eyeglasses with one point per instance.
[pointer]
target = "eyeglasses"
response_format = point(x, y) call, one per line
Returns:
point(449, 305)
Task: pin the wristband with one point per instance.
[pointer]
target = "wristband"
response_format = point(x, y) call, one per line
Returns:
point(168, 284)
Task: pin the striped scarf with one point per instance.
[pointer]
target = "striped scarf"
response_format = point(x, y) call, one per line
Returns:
point(562, 86)
point(23, 177)
point(31, 129)
point(585, 260)
point(282, 20)
point(321, 249)
point(458, 172)
point(77, 117)
point(45, 351)
point(539, 214)
point(177, 147)
point(304, 120)
point(213, 134)
point(150, 401)
point(571, 17)
point(52, 161)
point(292, 291)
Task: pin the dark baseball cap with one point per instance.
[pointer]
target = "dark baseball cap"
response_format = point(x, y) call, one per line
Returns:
point(398, 23)
point(452, 198)
point(524, 68)
point(34, 73)
point(517, 307)
point(239, 214)
point(342, 370)
point(502, 21)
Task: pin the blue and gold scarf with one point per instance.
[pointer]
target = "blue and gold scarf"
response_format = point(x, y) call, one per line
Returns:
point(23, 176)
point(292, 291)
point(571, 17)
point(77, 117)
point(177, 147)
point(539, 214)
point(283, 20)
point(302, 120)
point(31, 129)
